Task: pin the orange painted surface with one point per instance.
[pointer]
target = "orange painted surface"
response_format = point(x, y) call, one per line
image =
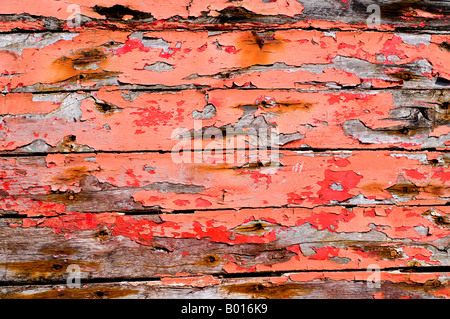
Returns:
point(124, 125)
point(99, 53)
point(323, 179)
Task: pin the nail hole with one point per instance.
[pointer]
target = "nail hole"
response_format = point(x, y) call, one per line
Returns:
point(404, 131)
point(434, 161)
point(102, 235)
point(258, 226)
point(259, 287)
point(210, 259)
point(57, 266)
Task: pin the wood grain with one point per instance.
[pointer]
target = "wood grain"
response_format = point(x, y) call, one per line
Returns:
point(128, 120)
point(315, 285)
point(221, 14)
point(234, 180)
point(293, 58)
point(110, 245)
point(215, 149)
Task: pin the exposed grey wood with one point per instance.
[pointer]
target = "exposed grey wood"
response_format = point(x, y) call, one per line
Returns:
point(205, 287)
point(36, 254)
point(409, 13)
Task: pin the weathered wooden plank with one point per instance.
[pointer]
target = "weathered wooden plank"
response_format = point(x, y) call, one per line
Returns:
point(203, 180)
point(92, 117)
point(128, 120)
point(424, 224)
point(279, 59)
point(313, 285)
point(220, 14)
point(111, 245)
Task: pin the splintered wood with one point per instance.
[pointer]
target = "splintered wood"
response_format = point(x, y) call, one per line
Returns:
point(217, 149)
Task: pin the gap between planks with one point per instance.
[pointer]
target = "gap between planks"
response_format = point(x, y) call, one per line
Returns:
point(192, 87)
point(298, 150)
point(158, 211)
point(413, 269)
point(222, 28)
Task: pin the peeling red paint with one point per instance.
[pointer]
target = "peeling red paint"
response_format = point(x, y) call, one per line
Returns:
point(220, 227)
point(93, 117)
point(344, 179)
point(129, 65)
point(151, 112)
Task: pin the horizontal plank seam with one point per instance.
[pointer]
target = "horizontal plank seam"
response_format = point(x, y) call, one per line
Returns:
point(413, 269)
point(157, 211)
point(305, 150)
point(239, 27)
point(169, 89)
